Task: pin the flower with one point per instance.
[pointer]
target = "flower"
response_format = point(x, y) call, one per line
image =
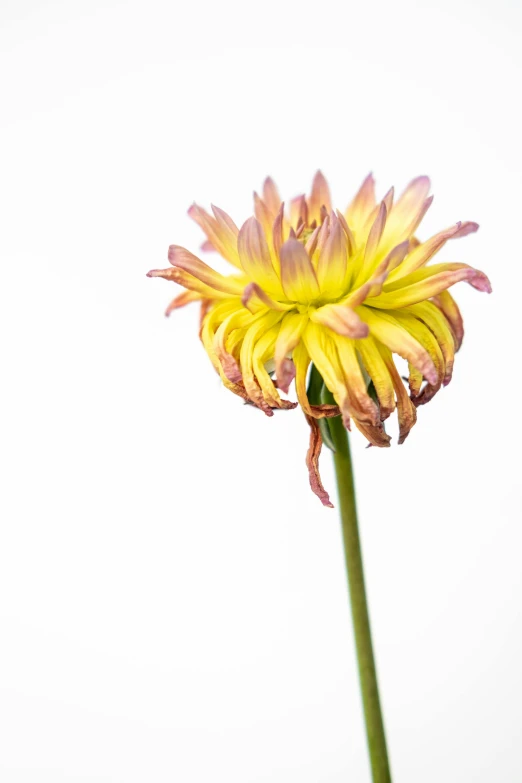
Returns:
point(343, 291)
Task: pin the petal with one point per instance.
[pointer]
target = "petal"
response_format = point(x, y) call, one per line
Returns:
point(298, 211)
point(219, 232)
point(319, 197)
point(298, 277)
point(437, 323)
point(425, 283)
point(332, 261)
point(255, 257)
point(376, 232)
point(188, 281)
point(312, 463)
point(420, 256)
point(252, 335)
point(264, 350)
point(362, 407)
point(361, 207)
point(182, 259)
point(374, 363)
point(271, 195)
point(340, 318)
point(183, 299)
point(388, 331)
point(255, 299)
point(406, 411)
point(447, 305)
point(292, 327)
point(262, 213)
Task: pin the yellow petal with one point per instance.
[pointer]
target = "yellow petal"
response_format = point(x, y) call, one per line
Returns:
point(342, 319)
point(221, 231)
point(406, 411)
point(332, 262)
point(319, 197)
point(361, 207)
point(188, 281)
point(255, 257)
point(437, 323)
point(298, 277)
point(181, 258)
point(447, 305)
point(420, 255)
point(261, 325)
point(388, 331)
point(425, 283)
point(375, 366)
point(361, 406)
point(292, 327)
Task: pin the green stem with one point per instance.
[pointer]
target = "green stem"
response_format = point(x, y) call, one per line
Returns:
point(361, 621)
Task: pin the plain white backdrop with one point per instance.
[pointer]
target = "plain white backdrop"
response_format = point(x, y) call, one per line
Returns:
point(173, 602)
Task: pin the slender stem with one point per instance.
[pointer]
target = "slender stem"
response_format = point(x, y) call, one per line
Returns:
point(361, 621)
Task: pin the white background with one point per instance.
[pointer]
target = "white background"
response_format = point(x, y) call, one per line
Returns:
point(173, 604)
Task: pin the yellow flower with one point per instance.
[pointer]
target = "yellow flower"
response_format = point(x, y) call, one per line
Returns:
point(342, 291)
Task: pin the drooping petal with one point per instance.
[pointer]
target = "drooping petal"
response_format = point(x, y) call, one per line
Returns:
point(312, 463)
point(425, 337)
point(437, 323)
point(181, 258)
point(376, 368)
point(255, 257)
point(447, 305)
point(298, 277)
point(261, 325)
point(292, 327)
point(362, 407)
point(263, 350)
point(406, 411)
point(388, 331)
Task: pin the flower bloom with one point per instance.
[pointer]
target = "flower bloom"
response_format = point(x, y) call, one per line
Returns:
point(344, 291)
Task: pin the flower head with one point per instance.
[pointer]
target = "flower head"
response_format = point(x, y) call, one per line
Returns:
point(343, 291)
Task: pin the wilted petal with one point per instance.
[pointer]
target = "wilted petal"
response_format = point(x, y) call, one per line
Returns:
point(406, 411)
point(378, 372)
point(292, 327)
point(312, 463)
point(388, 331)
point(447, 305)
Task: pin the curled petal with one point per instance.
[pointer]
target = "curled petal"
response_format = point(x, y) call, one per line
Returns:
point(447, 305)
point(406, 411)
point(298, 277)
point(254, 298)
point(378, 372)
point(361, 406)
point(340, 318)
point(312, 463)
point(388, 331)
point(292, 327)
